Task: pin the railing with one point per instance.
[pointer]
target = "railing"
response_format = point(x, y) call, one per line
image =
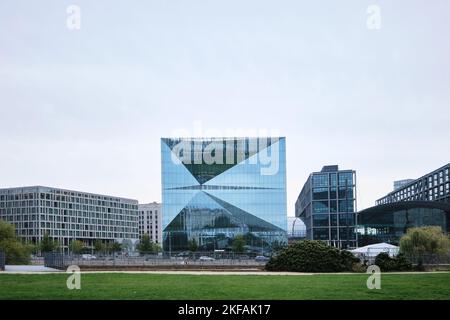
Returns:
point(61, 261)
point(55, 260)
point(424, 259)
point(2, 261)
point(430, 259)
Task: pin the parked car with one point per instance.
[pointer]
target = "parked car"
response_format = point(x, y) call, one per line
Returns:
point(262, 259)
point(206, 258)
point(88, 257)
point(183, 254)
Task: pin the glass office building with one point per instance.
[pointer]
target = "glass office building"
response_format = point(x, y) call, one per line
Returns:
point(389, 222)
point(327, 206)
point(215, 189)
point(434, 186)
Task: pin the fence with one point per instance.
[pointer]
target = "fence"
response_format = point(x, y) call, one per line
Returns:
point(430, 259)
point(424, 259)
point(2, 261)
point(62, 261)
point(54, 260)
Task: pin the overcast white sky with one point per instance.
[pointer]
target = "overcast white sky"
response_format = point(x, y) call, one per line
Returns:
point(85, 109)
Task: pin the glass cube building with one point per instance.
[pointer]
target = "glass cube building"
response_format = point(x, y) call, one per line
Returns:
point(215, 189)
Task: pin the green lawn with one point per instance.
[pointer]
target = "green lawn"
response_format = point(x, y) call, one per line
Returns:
point(158, 286)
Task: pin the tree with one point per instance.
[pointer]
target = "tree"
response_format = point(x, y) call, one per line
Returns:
point(48, 244)
point(116, 247)
point(156, 247)
point(15, 251)
point(99, 246)
point(312, 256)
point(77, 246)
point(239, 244)
point(421, 241)
point(145, 245)
point(193, 246)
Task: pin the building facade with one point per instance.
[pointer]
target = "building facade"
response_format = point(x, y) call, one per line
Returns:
point(434, 186)
point(327, 206)
point(401, 183)
point(389, 222)
point(68, 215)
point(215, 189)
point(150, 221)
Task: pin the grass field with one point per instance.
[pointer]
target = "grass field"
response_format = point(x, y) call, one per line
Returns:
point(235, 287)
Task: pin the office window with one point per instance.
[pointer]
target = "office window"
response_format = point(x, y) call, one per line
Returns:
point(320, 206)
point(320, 193)
point(320, 180)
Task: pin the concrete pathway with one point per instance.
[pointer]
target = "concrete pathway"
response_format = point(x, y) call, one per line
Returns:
point(44, 270)
point(28, 269)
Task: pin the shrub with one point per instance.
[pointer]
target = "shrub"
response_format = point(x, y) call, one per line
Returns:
point(398, 263)
point(312, 256)
point(425, 241)
point(15, 251)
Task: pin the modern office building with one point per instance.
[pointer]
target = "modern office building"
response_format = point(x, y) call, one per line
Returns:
point(215, 189)
point(389, 222)
point(150, 221)
point(68, 215)
point(327, 206)
point(434, 186)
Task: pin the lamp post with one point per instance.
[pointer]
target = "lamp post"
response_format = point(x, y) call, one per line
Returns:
point(346, 212)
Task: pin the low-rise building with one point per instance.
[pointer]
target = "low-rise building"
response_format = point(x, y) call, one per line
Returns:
point(68, 215)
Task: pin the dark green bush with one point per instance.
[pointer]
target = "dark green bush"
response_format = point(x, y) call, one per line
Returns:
point(312, 256)
point(398, 263)
point(15, 251)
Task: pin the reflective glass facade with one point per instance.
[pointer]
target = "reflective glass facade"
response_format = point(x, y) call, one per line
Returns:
point(389, 222)
point(216, 189)
point(327, 204)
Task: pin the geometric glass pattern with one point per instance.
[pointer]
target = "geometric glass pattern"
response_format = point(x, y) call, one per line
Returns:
point(214, 189)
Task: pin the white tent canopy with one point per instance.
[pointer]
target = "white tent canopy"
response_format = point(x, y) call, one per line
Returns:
point(374, 249)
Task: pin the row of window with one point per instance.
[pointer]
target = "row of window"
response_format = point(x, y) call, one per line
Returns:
point(70, 213)
point(87, 199)
point(325, 220)
point(51, 218)
point(70, 206)
point(332, 179)
point(333, 193)
point(432, 194)
point(79, 234)
point(333, 206)
point(326, 234)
